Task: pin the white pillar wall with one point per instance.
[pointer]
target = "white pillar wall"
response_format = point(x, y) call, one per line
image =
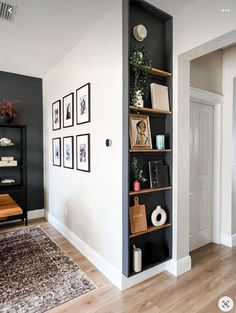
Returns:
point(214, 31)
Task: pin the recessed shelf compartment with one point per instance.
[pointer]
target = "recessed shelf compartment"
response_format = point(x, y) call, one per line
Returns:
point(148, 190)
point(155, 242)
point(148, 110)
point(149, 230)
point(147, 267)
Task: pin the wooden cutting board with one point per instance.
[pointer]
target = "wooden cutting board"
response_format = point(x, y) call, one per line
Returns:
point(137, 216)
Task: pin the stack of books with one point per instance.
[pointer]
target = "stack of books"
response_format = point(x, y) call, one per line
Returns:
point(7, 161)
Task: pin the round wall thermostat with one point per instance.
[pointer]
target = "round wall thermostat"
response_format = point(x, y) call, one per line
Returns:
point(140, 32)
point(108, 142)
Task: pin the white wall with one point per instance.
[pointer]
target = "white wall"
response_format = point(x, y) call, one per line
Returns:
point(206, 72)
point(199, 29)
point(93, 200)
point(229, 144)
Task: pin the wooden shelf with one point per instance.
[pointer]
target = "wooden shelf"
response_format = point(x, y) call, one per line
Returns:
point(148, 266)
point(148, 110)
point(149, 150)
point(156, 71)
point(149, 190)
point(149, 230)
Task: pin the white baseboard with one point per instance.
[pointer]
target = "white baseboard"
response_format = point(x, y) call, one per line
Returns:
point(228, 240)
point(138, 278)
point(117, 278)
point(99, 262)
point(178, 267)
point(36, 214)
point(234, 240)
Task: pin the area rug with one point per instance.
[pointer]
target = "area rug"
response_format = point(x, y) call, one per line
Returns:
point(35, 274)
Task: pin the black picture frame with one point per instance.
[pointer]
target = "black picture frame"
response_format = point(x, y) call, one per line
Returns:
point(158, 174)
point(83, 104)
point(56, 151)
point(68, 152)
point(56, 115)
point(83, 153)
point(68, 110)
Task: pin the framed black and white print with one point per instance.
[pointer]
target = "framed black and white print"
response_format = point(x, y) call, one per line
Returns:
point(56, 115)
point(68, 110)
point(83, 104)
point(68, 152)
point(56, 151)
point(83, 152)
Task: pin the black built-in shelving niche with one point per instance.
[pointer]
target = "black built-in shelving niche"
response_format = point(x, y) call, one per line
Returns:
point(156, 245)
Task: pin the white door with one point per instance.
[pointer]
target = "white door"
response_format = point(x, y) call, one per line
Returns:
point(201, 176)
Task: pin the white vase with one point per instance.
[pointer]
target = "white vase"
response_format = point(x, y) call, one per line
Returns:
point(155, 213)
point(137, 259)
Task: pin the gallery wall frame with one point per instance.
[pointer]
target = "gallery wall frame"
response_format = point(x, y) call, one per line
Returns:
point(56, 115)
point(83, 101)
point(56, 151)
point(68, 152)
point(68, 110)
point(83, 153)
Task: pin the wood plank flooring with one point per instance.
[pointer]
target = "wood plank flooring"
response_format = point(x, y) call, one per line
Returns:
point(198, 291)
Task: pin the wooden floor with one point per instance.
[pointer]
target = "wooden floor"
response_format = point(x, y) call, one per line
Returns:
point(213, 276)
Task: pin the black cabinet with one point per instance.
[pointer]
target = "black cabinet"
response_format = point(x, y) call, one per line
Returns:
point(13, 167)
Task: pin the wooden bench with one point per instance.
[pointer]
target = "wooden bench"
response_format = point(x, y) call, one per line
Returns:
point(8, 207)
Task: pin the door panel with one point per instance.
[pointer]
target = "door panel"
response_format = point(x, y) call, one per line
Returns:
point(201, 165)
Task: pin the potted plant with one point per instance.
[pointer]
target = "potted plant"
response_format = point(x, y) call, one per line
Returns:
point(139, 61)
point(7, 111)
point(138, 175)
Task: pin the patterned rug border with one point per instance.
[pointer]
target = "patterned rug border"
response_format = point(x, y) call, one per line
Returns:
point(71, 259)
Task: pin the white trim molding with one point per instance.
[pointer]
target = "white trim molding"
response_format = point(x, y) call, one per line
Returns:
point(216, 100)
point(96, 259)
point(142, 276)
point(117, 278)
point(179, 267)
point(228, 240)
point(206, 97)
point(36, 214)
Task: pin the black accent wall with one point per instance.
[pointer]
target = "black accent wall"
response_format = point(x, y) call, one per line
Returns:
point(28, 92)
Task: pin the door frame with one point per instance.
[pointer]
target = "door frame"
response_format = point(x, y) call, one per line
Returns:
point(215, 100)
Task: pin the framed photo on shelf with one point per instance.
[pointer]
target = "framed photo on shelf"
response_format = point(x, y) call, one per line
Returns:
point(140, 132)
point(83, 104)
point(158, 174)
point(68, 110)
point(56, 151)
point(68, 152)
point(83, 152)
point(56, 115)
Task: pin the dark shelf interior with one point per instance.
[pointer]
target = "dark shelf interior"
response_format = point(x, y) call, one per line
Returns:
point(156, 246)
point(17, 190)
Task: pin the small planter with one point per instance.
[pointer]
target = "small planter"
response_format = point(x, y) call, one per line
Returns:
point(5, 119)
point(136, 185)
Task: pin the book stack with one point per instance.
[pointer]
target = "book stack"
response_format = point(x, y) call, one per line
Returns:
point(7, 161)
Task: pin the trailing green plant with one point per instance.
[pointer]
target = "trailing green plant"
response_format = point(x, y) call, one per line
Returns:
point(139, 61)
point(138, 173)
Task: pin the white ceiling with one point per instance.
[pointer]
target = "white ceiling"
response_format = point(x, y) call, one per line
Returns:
point(44, 31)
point(171, 6)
